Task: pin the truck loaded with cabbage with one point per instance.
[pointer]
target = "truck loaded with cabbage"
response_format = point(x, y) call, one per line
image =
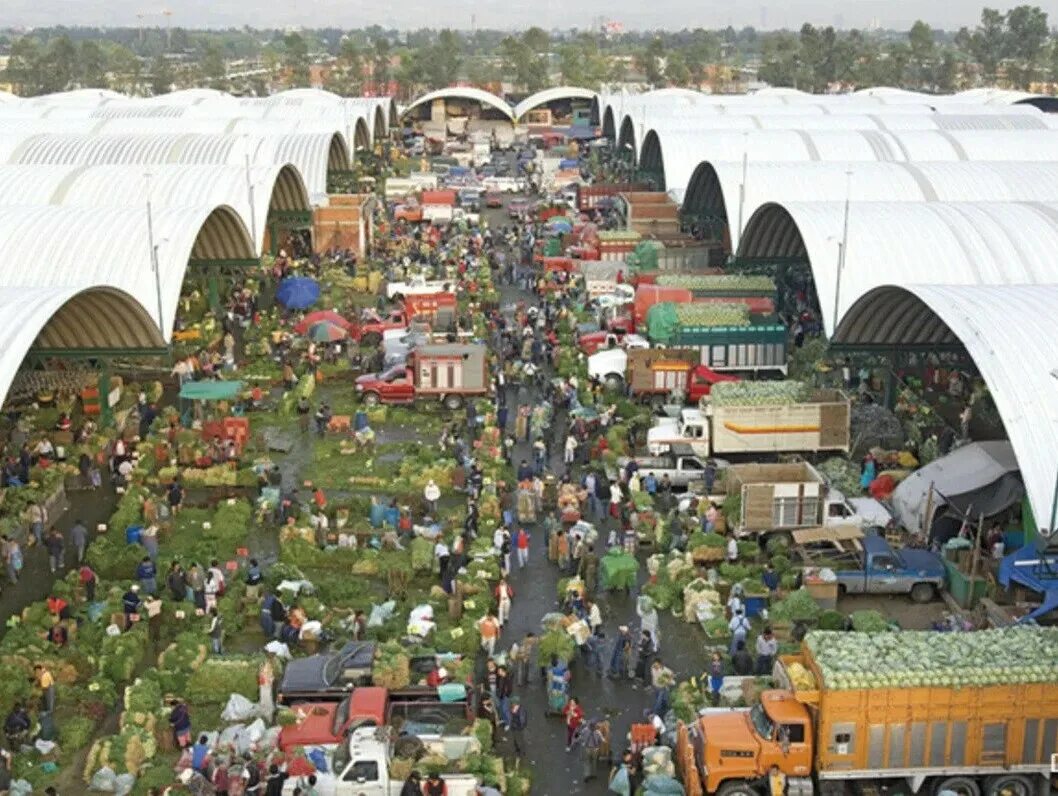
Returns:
point(921, 712)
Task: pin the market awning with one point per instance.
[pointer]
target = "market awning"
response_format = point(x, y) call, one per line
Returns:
point(1035, 568)
point(210, 390)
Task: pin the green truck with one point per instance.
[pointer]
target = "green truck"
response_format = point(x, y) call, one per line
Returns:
point(727, 336)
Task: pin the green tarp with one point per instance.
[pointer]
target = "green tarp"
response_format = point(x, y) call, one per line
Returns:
point(210, 390)
point(662, 322)
point(618, 569)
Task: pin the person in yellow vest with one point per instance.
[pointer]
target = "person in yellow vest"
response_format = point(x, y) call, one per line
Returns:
point(776, 782)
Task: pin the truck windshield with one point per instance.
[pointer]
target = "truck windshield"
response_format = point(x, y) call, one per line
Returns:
point(341, 715)
point(764, 726)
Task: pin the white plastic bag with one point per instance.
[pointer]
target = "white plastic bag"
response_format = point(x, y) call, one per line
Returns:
point(123, 784)
point(104, 780)
point(239, 708)
point(279, 649)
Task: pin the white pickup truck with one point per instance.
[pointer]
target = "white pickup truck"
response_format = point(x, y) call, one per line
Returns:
point(362, 768)
point(417, 286)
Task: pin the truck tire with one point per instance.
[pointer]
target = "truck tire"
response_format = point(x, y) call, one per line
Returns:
point(1010, 785)
point(737, 787)
point(615, 382)
point(452, 402)
point(371, 399)
point(922, 592)
point(964, 786)
point(371, 339)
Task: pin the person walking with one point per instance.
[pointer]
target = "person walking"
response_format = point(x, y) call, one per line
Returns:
point(153, 606)
point(504, 692)
point(767, 649)
point(588, 569)
point(147, 575)
point(175, 496)
point(622, 653)
point(56, 546)
point(516, 723)
point(88, 579)
point(504, 596)
point(644, 653)
point(431, 494)
point(521, 540)
point(37, 515)
point(176, 581)
point(45, 683)
point(79, 537)
point(266, 675)
point(489, 629)
point(742, 661)
point(739, 627)
point(569, 454)
point(662, 679)
point(216, 631)
point(523, 660)
point(12, 559)
point(130, 604)
point(574, 715)
point(716, 678)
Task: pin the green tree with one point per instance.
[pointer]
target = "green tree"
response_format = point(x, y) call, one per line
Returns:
point(701, 52)
point(61, 67)
point(923, 51)
point(381, 72)
point(296, 59)
point(446, 59)
point(125, 69)
point(25, 67)
point(537, 40)
point(161, 75)
point(988, 43)
point(350, 67)
point(581, 63)
point(780, 60)
point(649, 61)
point(91, 64)
point(1027, 36)
point(677, 72)
point(212, 67)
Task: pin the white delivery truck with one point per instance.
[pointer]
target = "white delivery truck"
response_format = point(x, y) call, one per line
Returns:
point(361, 768)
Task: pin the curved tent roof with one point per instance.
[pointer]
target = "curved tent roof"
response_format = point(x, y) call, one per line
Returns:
point(314, 154)
point(551, 95)
point(908, 243)
point(68, 317)
point(717, 189)
point(467, 93)
point(88, 247)
point(1015, 359)
point(676, 153)
point(273, 188)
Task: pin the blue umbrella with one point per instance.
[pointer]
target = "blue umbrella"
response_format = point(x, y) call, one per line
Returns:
point(563, 224)
point(298, 292)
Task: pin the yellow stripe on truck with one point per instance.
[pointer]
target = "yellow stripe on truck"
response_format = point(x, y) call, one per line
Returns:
point(740, 429)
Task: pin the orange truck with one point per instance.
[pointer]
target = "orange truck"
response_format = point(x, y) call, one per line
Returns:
point(974, 714)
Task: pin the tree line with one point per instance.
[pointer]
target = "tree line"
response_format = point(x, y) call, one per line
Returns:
point(1013, 48)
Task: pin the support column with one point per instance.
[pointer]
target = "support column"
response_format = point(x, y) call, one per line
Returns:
point(889, 399)
point(213, 290)
point(106, 415)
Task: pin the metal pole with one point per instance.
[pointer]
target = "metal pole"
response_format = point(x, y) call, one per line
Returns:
point(154, 256)
point(843, 246)
point(742, 185)
point(1054, 512)
point(249, 192)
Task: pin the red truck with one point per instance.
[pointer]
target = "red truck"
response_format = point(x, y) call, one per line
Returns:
point(437, 310)
point(654, 373)
point(449, 372)
point(328, 723)
point(647, 295)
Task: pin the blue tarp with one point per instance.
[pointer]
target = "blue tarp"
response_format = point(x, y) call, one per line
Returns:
point(1035, 568)
point(298, 292)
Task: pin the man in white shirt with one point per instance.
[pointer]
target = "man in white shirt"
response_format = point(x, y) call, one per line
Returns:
point(732, 548)
point(739, 627)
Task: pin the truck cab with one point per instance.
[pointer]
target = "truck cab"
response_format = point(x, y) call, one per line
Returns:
point(611, 338)
point(393, 386)
point(361, 768)
point(879, 569)
point(470, 199)
point(858, 512)
point(701, 381)
point(371, 327)
point(735, 748)
point(691, 428)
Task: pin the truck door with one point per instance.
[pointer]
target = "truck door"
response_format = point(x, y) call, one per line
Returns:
point(882, 574)
point(361, 778)
point(398, 387)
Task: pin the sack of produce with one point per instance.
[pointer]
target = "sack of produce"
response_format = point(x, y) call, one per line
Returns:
point(580, 631)
point(697, 594)
point(618, 569)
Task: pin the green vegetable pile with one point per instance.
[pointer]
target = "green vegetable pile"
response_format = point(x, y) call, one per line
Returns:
point(1008, 656)
point(557, 642)
point(735, 284)
point(869, 622)
point(797, 607)
point(759, 393)
point(712, 314)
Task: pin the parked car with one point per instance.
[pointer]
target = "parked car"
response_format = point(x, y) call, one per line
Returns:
point(493, 199)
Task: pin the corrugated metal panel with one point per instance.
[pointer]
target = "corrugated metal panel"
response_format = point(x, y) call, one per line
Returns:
point(550, 95)
point(716, 187)
point(86, 247)
point(909, 243)
point(463, 92)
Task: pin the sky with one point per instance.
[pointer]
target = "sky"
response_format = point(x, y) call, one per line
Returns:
point(503, 14)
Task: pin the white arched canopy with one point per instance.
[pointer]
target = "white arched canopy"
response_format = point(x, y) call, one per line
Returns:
point(1016, 358)
point(732, 192)
point(478, 95)
point(56, 318)
point(90, 247)
point(549, 95)
point(908, 243)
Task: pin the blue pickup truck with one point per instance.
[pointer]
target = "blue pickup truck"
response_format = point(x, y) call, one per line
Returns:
point(879, 569)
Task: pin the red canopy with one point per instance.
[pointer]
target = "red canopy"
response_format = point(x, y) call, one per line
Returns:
point(321, 315)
